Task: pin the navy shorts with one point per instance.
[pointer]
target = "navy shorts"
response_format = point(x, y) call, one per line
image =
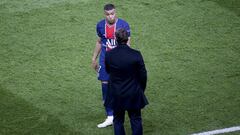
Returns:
point(102, 74)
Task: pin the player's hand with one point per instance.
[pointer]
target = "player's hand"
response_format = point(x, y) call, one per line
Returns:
point(95, 65)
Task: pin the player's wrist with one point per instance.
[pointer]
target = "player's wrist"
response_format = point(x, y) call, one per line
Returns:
point(94, 59)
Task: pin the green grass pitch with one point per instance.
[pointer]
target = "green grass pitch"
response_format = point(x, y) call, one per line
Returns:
point(191, 50)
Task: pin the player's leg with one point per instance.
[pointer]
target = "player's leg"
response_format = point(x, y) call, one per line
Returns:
point(103, 76)
point(109, 111)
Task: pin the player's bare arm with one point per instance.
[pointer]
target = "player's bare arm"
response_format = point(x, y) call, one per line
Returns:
point(95, 54)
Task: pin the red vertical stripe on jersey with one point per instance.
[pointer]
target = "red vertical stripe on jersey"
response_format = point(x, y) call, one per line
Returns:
point(110, 30)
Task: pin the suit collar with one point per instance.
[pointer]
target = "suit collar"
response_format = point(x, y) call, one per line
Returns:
point(123, 46)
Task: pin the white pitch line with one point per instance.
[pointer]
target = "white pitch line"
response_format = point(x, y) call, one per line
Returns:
point(219, 131)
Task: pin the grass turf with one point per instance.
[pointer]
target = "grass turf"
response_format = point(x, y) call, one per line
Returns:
point(191, 50)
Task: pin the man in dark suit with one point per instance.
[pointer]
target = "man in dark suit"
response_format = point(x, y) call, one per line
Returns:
point(127, 84)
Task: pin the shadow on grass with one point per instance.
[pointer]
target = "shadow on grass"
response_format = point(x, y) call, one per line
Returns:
point(232, 5)
point(19, 117)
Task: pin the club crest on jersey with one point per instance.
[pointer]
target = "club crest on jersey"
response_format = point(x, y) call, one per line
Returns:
point(110, 44)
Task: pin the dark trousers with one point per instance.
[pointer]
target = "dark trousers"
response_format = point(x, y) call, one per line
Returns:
point(135, 120)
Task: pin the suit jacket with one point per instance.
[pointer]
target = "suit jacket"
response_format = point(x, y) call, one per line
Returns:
point(128, 78)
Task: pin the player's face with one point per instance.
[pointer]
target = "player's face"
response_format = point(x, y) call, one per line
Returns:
point(110, 15)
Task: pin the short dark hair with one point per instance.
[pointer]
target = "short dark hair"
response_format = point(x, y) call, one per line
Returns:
point(121, 36)
point(109, 7)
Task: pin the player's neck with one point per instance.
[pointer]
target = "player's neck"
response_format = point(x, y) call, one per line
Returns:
point(111, 24)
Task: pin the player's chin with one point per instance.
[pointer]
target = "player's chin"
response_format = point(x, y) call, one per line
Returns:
point(111, 21)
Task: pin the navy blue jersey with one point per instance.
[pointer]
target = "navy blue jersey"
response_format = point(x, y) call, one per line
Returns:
point(106, 33)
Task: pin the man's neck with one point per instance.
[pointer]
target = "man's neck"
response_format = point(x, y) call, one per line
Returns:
point(115, 20)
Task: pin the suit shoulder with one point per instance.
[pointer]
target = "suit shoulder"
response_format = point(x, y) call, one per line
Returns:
point(135, 51)
point(138, 54)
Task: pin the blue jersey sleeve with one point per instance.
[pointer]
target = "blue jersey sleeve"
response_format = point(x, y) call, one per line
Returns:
point(98, 30)
point(127, 27)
